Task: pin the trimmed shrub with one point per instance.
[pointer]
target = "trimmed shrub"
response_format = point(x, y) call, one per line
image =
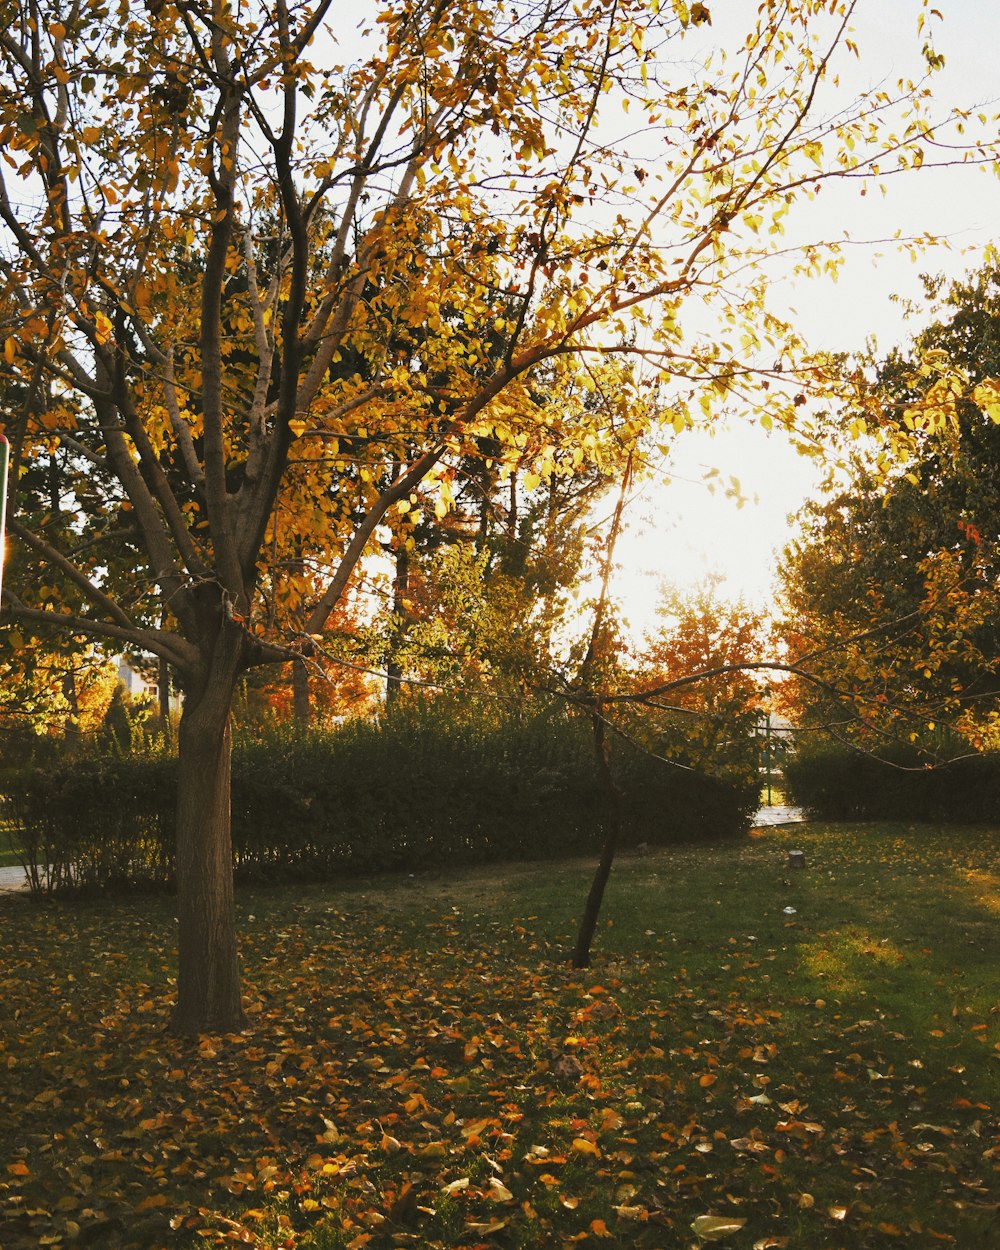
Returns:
point(422, 790)
point(836, 783)
point(94, 821)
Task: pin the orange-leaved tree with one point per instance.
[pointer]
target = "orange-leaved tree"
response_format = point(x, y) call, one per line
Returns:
point(264, 274)
point(707, 724)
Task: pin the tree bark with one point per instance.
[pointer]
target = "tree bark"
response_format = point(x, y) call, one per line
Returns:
point(397, 627)
point(300, 693)
point(163, 695)
point(208, 983)
point(610, 794)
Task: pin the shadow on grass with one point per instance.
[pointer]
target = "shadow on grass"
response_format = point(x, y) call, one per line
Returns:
point(421, 1066)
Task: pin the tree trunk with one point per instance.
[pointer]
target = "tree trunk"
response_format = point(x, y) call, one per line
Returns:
point(611, 798)
point(300, 693)
point(612, 832)
point(163, 695)
point(397, 628)
point(208, 982)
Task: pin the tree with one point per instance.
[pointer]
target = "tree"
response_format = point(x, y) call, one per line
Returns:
point(483, 596)
point(690, 700)
point(707, 725)
point(904, 560)
point(263, 277)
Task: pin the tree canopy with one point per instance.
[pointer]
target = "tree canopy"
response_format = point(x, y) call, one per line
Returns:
point(896, 572)
point(268, 281)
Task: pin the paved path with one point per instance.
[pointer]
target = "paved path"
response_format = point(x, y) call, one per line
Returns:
point(778, 816)
point(12, 879)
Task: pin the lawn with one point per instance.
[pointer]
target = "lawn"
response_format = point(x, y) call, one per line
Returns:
point(759, 1057)
point(10, 855)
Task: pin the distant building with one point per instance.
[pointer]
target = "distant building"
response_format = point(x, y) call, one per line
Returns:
point(139, 686)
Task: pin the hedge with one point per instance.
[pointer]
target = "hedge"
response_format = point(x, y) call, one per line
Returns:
point(836, 783)
point(420, 791)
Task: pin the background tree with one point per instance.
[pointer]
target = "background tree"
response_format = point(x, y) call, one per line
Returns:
point(220, 223)
point(709, 724)
point(898, 571)
point(489, 588)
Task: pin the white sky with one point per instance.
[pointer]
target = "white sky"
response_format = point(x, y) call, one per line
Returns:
point(681, 532)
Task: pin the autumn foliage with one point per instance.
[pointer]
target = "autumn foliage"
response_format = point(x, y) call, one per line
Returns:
point(270, 281)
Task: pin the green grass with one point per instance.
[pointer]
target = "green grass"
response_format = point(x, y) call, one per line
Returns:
point(10, 854)
point(421, 1067)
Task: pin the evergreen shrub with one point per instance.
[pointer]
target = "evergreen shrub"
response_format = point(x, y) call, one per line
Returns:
point(90, 820)
point(425, 789)
point(837, 783)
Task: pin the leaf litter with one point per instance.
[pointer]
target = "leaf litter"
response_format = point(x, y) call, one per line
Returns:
point(445, 1081)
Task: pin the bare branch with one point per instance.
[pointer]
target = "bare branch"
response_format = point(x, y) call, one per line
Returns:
point(181, 429)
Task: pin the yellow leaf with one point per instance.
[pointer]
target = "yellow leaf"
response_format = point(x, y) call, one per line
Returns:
point(715, 1227)
point(987, 396)
point(584, 1147)
point(297, 427)
point(814, 150)
point(475, 1128)
point(103, 327)
point(610, 1120)
point(10, 350)
point(531, 480)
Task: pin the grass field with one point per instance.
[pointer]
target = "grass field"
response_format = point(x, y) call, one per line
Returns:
point(759, 1057)
point(9, 854)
